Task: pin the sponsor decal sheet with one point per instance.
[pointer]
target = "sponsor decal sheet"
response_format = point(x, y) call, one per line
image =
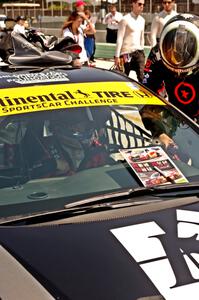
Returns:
point(153, 166)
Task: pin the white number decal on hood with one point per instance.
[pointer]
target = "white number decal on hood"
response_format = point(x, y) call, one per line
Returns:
point(170, 259)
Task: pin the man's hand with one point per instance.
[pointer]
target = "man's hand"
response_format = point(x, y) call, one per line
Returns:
point(166, 140)
point(117, 61)
point(82, 14)
point(76, 63)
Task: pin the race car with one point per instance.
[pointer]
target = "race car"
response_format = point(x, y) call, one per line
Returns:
point(78, 219)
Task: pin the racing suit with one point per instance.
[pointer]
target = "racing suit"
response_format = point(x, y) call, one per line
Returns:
point(182, 89)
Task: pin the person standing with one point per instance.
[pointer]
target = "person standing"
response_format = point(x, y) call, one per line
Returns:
point(160, 20)
point(88, 26)
point(112, 20)
point(19, 26)
point(80, 6)
point(73, 28)
point(6, 45)
point(89, 38)
point(8, 28)
point(130, 41)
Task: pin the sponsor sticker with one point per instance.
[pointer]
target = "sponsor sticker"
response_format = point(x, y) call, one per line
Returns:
point(31, 78)
point(50, 97)
point(168, 257)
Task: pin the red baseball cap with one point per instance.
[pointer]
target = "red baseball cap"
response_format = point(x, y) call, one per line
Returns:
point(79, 3)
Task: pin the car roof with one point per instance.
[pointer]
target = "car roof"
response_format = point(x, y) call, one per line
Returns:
point(26, 76)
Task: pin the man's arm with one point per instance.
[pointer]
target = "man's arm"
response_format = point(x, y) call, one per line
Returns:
point(142, 41)
point(154, 31)
point(154, 71)
point(118, 17)
point(152, 120)
point(107, 19)
point(154, 79)
point(120, 37)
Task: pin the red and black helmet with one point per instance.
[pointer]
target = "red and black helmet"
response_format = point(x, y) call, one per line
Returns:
point(179, 43)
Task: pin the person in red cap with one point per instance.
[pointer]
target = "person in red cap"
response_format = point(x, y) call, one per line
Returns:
point(80, 6)
point(87, 26)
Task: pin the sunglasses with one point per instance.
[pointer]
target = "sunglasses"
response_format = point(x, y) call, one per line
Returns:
point(167, 2)
point(140, 4)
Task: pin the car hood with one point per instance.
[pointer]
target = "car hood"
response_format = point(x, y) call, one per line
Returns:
point(119, 258)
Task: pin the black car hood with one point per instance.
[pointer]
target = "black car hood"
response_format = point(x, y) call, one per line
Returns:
point(126, 258)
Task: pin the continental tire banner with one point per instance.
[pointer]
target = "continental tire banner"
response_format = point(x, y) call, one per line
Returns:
point(50, 97)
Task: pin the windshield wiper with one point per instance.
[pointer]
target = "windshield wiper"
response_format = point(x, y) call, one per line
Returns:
point(111, 197)
point(120, 199)
point(161, 190)
point(101, 201)
point(178, 190)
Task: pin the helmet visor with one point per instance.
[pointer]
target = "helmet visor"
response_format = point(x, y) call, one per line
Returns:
point(179, 47)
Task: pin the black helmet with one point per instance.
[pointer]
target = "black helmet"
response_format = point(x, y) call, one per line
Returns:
point(20, 18)
point(67, 43)
point(179, 43)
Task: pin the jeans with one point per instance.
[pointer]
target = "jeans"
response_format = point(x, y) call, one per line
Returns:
point(89, 43)
point(136, 63)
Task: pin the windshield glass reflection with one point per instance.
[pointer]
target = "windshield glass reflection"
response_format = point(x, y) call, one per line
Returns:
point(56, 155)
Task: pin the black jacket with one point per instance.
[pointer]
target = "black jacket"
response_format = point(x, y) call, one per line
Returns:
point(182, 90)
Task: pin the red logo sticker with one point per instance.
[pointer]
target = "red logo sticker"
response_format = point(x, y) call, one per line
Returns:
point(148, 63)
point(185, 93)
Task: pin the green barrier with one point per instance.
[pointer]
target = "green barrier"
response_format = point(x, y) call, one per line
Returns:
point(107, 51)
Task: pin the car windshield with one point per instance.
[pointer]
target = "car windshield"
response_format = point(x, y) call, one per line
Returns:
point(51, 158)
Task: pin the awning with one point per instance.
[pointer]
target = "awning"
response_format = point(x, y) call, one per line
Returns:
point(21, 5)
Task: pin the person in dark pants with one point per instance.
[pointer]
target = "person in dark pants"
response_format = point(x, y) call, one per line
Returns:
point(130, 41)
point(92, 58)
point(135, 61)
point(112, 20)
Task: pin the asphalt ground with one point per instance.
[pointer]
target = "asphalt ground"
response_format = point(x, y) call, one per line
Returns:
point(108, 63)
point(105, 64)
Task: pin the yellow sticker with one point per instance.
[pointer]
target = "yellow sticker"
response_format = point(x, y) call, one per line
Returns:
point(50, 97)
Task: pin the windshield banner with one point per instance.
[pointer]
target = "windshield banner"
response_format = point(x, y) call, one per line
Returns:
point(50, 97)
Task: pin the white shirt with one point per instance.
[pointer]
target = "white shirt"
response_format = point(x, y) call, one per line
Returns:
point(158, 23)
point(19, 29)
point(130, 36)
point(112, 20)
point(79, 39)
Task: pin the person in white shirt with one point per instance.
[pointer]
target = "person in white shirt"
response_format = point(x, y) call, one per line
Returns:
point(19, 26)
point(112, 20)
point(73, 28)
point(130, 41)
point(160, 20)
